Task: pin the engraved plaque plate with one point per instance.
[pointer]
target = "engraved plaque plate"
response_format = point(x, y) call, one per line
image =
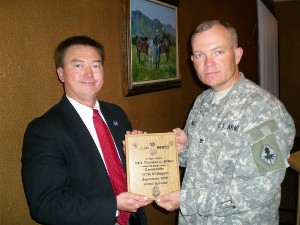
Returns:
point(152, 164)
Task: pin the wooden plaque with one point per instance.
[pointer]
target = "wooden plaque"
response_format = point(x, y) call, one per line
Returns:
point(152, 164)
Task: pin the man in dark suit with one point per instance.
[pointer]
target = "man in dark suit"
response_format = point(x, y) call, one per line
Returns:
point(64, 173)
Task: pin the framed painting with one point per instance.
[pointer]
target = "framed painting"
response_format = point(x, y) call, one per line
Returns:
point(151, 54)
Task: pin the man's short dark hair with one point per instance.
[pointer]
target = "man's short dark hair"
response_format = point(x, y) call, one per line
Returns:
point(76, 40)
point(206, 25)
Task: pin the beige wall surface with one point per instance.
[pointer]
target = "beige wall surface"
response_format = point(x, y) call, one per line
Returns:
point(29, 32)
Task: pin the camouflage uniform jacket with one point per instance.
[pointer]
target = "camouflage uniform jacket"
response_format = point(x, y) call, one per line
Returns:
point(235, 158)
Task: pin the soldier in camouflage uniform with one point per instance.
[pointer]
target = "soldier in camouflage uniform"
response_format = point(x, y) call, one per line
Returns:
point(235, 144)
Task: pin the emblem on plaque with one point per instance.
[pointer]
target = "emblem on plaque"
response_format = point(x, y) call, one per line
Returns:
point(152, 152)
point(134, 145)
point(155, 191)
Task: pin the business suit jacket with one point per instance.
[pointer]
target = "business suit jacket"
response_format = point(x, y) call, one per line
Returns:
point(64, 176)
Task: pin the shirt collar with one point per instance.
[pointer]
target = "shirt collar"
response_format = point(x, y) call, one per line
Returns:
point(83, 111)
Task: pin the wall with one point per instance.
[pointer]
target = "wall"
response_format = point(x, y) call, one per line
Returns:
point(288, 16)
point(287, 13)
point(29, 32)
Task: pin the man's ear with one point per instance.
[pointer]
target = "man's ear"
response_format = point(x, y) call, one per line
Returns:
point(60, 74)
point(238, 52)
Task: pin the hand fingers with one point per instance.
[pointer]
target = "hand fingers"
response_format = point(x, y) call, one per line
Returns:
point(136, 132)
point(162, 199)
point(177, 130)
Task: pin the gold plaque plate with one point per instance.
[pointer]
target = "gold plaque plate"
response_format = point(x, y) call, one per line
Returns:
point(152, 164)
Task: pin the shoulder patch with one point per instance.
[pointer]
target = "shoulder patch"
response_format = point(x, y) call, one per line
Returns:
point(267, 155)
point(265, 150)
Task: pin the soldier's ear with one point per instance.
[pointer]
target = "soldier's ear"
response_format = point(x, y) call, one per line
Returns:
point(238, 52)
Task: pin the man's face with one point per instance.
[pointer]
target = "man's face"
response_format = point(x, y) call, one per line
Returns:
point(82, 74)
point(215, 59)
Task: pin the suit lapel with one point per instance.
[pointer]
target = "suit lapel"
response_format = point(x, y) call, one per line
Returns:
point(81, 135)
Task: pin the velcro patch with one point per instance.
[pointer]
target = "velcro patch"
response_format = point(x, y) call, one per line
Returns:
point(261, 131)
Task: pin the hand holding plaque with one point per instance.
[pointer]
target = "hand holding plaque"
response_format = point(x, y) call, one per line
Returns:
point(152, 164)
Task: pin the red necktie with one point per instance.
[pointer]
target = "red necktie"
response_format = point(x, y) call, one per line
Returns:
point(112, 161)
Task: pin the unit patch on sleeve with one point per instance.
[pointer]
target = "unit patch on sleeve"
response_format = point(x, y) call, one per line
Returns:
point(268, 155)
point(265, 150)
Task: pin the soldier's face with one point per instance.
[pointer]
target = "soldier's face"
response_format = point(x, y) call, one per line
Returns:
point(215, 59)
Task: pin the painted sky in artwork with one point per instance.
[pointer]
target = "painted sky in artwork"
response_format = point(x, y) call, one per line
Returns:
point(155, 10)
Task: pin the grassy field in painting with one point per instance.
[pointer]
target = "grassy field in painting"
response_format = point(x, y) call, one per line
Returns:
point(145, 71)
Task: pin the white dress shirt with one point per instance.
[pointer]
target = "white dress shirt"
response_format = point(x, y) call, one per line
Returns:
point(86, 114)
